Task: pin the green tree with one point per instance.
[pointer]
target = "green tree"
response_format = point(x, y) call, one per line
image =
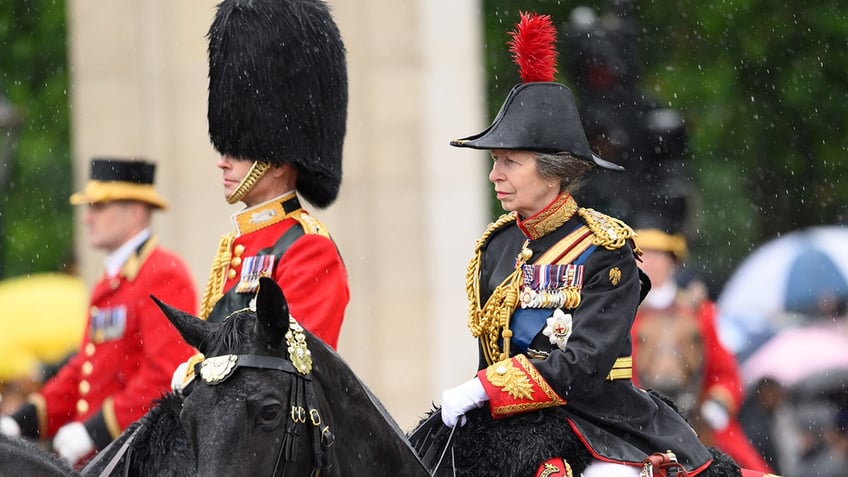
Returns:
point(37, 221)
point(763, 87)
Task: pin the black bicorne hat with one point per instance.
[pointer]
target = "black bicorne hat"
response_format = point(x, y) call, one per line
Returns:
point(540, 117)
point(278, 89)
point(539, 114)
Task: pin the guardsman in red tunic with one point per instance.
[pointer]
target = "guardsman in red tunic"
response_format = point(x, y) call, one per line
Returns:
point(129, 349)
point(282, 136)
point(718, 391)
point(277, 116)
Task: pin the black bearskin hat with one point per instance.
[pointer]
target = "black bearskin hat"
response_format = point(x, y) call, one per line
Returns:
point(278, 89)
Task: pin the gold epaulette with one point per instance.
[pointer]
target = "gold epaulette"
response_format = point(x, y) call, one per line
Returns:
point(310, 224)
point(610, 233)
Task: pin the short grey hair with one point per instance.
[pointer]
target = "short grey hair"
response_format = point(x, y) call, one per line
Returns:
point(564, 167)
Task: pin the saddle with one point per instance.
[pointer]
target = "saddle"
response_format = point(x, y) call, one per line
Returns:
point(661, 464)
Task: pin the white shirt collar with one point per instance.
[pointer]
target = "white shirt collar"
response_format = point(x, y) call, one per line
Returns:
point(662, 296)
point(116, 259)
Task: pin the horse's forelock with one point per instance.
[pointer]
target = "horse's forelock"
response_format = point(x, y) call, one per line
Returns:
point(232, 335)
point(236, 335)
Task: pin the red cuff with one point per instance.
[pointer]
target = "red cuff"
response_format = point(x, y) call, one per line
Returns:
point(515, 386)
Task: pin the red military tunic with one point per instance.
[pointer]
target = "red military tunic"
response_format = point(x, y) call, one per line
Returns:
point(127, 354)
point(281, 240)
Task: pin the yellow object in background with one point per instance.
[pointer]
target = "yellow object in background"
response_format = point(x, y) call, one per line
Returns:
point(41, 321)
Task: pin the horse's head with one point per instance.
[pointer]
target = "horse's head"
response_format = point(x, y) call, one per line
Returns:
point(252, 407)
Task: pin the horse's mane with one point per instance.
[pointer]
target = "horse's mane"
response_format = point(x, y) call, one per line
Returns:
point(331, 359)
point(160, 445)
point(22, 457)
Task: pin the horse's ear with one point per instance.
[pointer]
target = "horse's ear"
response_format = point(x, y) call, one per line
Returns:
point(193, 329)
point(272, 313)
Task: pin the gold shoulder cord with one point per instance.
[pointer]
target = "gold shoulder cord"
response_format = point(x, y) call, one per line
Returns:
point(609, 232)
point(491, 321)
point(217, 276)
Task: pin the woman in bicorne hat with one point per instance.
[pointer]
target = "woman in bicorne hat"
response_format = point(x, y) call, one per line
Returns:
point(554, 289)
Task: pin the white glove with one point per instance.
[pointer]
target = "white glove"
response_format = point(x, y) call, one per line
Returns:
point(9, 427)
point(461, 399)
point(178, 380)
point(72, 442)
point(715, 415)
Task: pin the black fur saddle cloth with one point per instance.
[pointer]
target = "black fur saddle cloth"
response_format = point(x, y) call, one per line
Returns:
point(515, 446)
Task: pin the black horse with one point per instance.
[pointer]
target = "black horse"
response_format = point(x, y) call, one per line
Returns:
point(269, 399)
point(19, 457)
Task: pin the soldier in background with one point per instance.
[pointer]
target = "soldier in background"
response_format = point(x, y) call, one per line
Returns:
point(709, 388)
point(128, 349)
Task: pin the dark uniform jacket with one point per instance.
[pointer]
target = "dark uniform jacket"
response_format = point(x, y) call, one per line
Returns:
point(568, 304)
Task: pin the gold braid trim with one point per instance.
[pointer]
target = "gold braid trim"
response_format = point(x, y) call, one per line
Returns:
point(110, 418)
point(37, 400)
point(610, 233)
point(491, 322)
point(217, 276)
point(257, 170)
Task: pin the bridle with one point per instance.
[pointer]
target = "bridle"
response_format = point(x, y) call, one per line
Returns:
point(303, 402)
point(303, 408)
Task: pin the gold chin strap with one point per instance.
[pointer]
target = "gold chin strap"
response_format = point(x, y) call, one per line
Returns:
point(257, 170)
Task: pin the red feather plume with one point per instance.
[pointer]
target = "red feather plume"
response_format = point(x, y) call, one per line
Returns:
point(533, 47)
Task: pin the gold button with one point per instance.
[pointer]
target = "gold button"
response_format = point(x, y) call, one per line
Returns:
point(231, 274)
point(82, 406)
point(236, 261)
point(238, 250)
point(84, 387)
point(89, 349)
point(87, 368)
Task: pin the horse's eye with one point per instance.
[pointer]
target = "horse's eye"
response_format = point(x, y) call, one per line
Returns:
point(269, 413)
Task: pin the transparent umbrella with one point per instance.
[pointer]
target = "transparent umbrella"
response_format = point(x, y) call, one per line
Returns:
point(797, 277)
